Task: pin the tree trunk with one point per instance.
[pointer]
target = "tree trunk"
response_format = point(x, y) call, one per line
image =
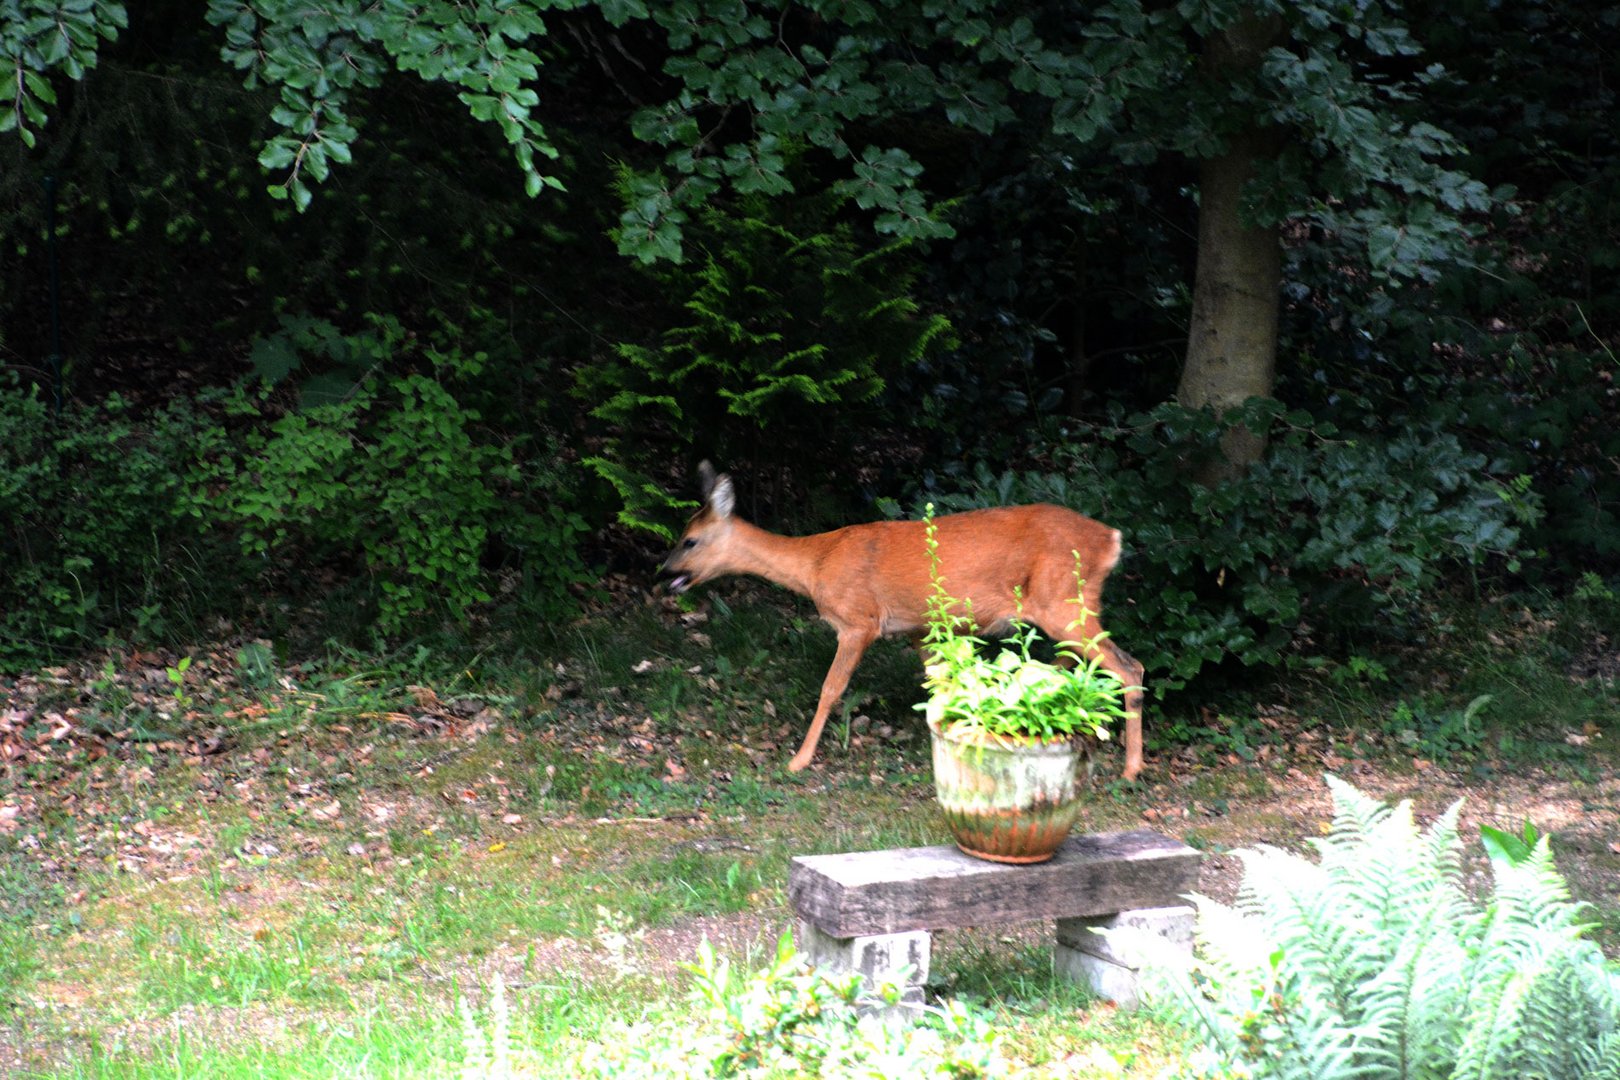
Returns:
point(1232, 343)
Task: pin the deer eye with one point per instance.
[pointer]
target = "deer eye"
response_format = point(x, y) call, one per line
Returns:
point(689, 543)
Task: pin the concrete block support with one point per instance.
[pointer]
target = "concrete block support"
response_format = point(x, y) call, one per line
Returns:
point(899, 958)
point(1108, 965)
point(902, 957)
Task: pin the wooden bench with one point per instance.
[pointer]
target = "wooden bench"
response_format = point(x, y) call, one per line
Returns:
point(874, 911)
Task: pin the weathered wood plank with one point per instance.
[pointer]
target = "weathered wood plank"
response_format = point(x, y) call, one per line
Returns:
point(940, 888)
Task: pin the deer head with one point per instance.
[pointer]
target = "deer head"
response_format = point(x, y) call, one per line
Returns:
point(700, 553)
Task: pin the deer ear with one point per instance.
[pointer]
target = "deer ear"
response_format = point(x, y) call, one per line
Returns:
point(705, 478)
point(722, 499)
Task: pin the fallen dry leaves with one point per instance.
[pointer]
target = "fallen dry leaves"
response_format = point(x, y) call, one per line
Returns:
point(95, 756)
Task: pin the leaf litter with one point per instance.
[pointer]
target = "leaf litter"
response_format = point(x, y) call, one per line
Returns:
point(114, 770)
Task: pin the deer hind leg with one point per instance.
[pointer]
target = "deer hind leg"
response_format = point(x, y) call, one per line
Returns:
point(1129, 671)
point(852, 646)
point(1062, 619)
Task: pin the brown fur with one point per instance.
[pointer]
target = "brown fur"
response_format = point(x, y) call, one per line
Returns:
point(872, 580)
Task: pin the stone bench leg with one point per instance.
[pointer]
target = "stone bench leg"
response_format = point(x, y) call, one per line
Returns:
point(901, 958)
point(1108, 967)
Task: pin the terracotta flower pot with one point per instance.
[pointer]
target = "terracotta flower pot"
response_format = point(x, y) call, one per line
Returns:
point(1006, 799)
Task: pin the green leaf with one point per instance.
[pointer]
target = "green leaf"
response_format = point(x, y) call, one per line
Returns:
point(273, 358)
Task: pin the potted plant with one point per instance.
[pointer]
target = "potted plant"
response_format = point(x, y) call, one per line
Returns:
point(1009, 730)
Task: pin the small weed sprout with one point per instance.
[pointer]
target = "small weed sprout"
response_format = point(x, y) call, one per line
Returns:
point(177, 677)
point(488, 1056)
point(615, 934)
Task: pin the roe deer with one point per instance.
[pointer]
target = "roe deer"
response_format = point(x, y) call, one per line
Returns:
point(867, 581)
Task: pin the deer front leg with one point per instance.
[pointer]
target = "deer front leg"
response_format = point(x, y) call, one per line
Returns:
point(851, 646)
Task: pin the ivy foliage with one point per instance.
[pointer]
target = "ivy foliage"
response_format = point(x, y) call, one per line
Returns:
point(1329, 537)
point(1373, 962)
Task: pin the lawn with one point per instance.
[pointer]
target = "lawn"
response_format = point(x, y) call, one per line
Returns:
point(251, 864)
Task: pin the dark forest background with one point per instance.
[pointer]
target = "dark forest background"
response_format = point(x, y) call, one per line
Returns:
point(305, 332)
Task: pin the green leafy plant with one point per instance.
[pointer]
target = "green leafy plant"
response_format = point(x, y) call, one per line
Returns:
point(1592, 589)
point(786, 1020)
point(1426, 726)
point(392, 470)
point(39, 37)
point(256, 665)
point(1344, 536)
point(96, 520)
point(176, 674)
point(787, 332)
point(1009, 693)
point(1374, 963)
point(1512, 849)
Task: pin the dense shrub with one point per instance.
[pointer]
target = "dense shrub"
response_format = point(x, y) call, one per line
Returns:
point(1373, 963)
point(1540, 400)
point(1329, 539)
point(384, 468)
point(94, 512)
point(115, 522)
point(1553, 416)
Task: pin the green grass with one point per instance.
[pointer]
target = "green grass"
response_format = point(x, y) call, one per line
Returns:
point(375, 1042)
point(29, 899)
point(19, 959)
point(1055, 1022)
point(1495, 690)
point(182, 965)
point(285, 943)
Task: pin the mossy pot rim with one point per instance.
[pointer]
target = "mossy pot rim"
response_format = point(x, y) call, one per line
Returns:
point(1035, 744)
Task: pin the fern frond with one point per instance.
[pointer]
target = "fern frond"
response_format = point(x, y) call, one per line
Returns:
point(1354, 814)
point(1372, 963)
point(1601, 1061)
point(1444, 846)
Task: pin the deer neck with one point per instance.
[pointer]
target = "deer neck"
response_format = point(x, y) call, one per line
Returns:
point(788, 561)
